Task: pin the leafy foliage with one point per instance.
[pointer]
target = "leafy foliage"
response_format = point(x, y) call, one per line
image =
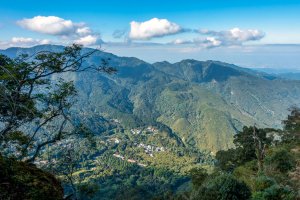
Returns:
point(199, 176)
point(245, 148)
point(275, 192)
point(281, 160)
point(19, 180)
point(31, 96)
point(278, 180)
point(34, 104)
point(223, 187)
point(292, 126)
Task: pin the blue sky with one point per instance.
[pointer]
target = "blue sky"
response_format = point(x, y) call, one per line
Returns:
point(240, 32)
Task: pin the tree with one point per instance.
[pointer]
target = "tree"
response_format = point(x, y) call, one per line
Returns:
point(281, 160)
point(292, 126)
point(19, 180)
point(30, 101)
point(275, 192)
point(260, 144)
point(250, 144)
point(222, 187)
point(198, 176)
point(34, 113)
point(227, 160)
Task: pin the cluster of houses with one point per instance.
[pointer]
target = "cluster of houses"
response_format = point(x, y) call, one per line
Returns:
point(67, 143)
point(129, 160)
point(44, 162)
point(151, 149)
point(151, 129)
point(136, 131)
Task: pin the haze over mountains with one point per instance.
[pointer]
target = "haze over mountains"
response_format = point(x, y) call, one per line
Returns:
point(292, 74)
point(204, 103)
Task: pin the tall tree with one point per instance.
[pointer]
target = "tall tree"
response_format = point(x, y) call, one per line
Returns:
point(292, 125)
point(260, 149)
point(250, 144)
point(30, 100)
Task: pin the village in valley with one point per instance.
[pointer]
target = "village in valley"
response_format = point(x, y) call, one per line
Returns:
point(149, 149)
point(111, 141)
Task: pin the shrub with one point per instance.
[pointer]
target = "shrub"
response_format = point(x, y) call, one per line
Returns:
point(247, 173)
point(281, 160)
point(223, 187)
point(275, 192)
point(263, 182)
point(20, 180)
point(198, 176)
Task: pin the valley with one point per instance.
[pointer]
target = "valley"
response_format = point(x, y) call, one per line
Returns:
point(142, 131)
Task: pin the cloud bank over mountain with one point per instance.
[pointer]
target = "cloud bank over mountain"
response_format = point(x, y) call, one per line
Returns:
point(23, 42)
point(65, 31)
point(235, 36)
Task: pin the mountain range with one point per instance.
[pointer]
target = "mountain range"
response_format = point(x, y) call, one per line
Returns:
point(203, 103)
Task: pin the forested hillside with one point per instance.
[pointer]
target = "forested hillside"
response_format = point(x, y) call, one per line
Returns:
point(203, 103)
point(98, 126)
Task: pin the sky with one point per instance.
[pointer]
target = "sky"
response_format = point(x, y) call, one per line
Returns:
point(247, 33)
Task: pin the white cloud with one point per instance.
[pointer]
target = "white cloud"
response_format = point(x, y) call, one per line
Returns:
point(211, 42)
point(28, 41)
point(83, 31)
point(51, 25)
point(66, 30)
point(234, 36)
point(88, 40)
point(152, 28)
point(245, 35)
point(23, 42)
point(230, 38)
point(207, 43)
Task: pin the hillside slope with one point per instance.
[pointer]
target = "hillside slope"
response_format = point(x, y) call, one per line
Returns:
point(203, 103)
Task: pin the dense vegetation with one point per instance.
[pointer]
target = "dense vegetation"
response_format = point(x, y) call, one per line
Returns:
point(264, 165)
point(21, 180)
point(147, 133)
point(34, 115)
point(205, 103)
